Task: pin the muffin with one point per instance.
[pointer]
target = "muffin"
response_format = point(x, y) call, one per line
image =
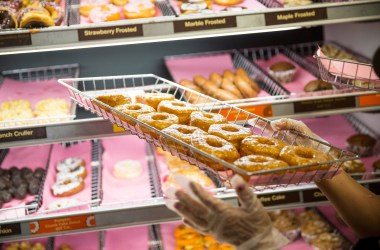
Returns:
point(376, 168)
point(361, 144)
point(311, 229)
point(282, 72)
point(355, 168)
point(288, 226)
point(317, 85)
point(327, 241)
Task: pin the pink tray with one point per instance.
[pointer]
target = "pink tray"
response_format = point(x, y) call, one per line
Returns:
point(135, 238)
point(82, 241)
point(81, 150)
point(186, 67)
point(301, 78)
point(118, 149)
point(20, 157)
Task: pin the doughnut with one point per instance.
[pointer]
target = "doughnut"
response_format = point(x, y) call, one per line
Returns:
point(259, 145)
point(216, 78)
point(228, 2)
point(120, 2)
point(143, 9)
point(229, 86)
point(133, 110)
point(193, 174)
point(67, 187)
point(8, 18)
point(79, 172)
point(127, 169)
point(244, 87)
point(87, 5)
point(232, 133)
point(112, 100)
point(229, 75)
point(204, 120)
point(181, 109)
point(224, 95)
point(243, 74)
point(254, 163)
point(298, 155)
point(153, 99)
point(70, 164)
point(182, 133)
point(214, 146)
point(158, 120)
point(104, 13)
point(35, 18)
point(56, 12)
point(193, 97)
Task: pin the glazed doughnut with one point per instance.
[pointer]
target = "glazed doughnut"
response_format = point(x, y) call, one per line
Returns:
point(104, 13)
point(259, 145)
point(120, 2)
point(228, 2)
point(193, 174)
point(182, 110)
point(229, 75)
point(35, 18)
point(55, 11)
point(157, 120)
point(254, 163)
point(215, 146)
point(204, 120)
point(112, 100)
point(8, 18)
point(153, 99)
point(70, 164)
point(133, 110)
point(182, 133)
point(243, 74)
point(80, 172)
point(193, 97)
point(244, 87)
point(143, 9)
point(298, 155)
point(230, 87)
point(67, 187)
point(224, 95)
point(232, 133)
point(216, 78)
point(87, 5)
point(190, 85)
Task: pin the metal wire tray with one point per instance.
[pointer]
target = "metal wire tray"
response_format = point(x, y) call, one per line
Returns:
point(154, 84)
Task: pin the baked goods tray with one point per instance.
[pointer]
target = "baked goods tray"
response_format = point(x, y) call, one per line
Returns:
point(35, 75)
point(84, 90)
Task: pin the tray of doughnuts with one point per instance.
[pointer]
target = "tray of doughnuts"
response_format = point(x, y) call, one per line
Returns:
point(207, 134)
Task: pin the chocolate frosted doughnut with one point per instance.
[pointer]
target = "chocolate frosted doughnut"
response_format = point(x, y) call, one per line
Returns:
point(8, 19)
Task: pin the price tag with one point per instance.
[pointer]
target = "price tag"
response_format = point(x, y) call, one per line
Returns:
point(204, 24)
point(279, 198)
point(22, 134)
point(325, 104)
point(369, 100)
point(62, 224)
point(110, 32)
point(10, 229)
point(260, 110)
point(374, 187)
point(313, 195)
point(15, 40)
point(294, 16)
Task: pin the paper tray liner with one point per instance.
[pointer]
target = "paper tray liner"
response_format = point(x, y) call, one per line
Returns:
point(186, 67)
point(135, 238)
point(119, 190)
point(81, 150)
point(80, 241)
point(31, 157)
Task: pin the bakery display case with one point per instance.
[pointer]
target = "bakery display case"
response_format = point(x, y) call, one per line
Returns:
point(112, 204)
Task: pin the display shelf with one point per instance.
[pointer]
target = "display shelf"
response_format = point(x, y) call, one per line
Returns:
point(185, 27)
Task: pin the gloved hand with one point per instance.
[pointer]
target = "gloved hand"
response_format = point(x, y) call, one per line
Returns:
point(246, 227)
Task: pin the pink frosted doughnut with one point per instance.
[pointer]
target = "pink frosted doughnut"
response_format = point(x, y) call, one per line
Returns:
point(105, 13)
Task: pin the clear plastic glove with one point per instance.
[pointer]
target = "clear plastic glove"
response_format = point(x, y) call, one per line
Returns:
point(246, 227)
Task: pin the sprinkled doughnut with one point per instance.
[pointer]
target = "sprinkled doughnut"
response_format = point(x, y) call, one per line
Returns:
point(215, 146)
point(56, 12)
point(259, 145)
point(298, 155)
point(8, 19)
point(153, 99)
point(35, 18)
point(133, 110)
point(232, 133)
point(181, 109)
point(254, 163)
point(157, 120)
point(204, 120)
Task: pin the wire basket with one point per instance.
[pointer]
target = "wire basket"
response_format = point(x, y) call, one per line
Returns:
point(347, 72)
point(153, 84)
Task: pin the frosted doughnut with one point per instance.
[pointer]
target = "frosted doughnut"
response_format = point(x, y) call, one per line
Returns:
point(153, 99)
point(232, 133)
point(158, 120)
point(259, 145)
point(182, 110)
point(56, 12)
point(8, 19)
point(79, 172)
point(35, 18)
point(133, 110)
point(204, 120)
point(87, 5)
point(298, 155)
point(70, 164)
point(127, 169)
point(104, 13)
point(143, 9)
point(215, 146)
point(68, 187)
point(254, 163)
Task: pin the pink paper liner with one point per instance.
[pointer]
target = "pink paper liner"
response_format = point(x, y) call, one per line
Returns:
point(249, 4)
point(186, 67)
point(43, 241)
point(167, 233)
point(81, 150)
point(118, 190)
point(135, 238)
point(82, 241)
point(31, 157)
point(301, 78)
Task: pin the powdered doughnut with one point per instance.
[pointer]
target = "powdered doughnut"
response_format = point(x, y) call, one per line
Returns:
point(259, 145)
point(67, 187)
